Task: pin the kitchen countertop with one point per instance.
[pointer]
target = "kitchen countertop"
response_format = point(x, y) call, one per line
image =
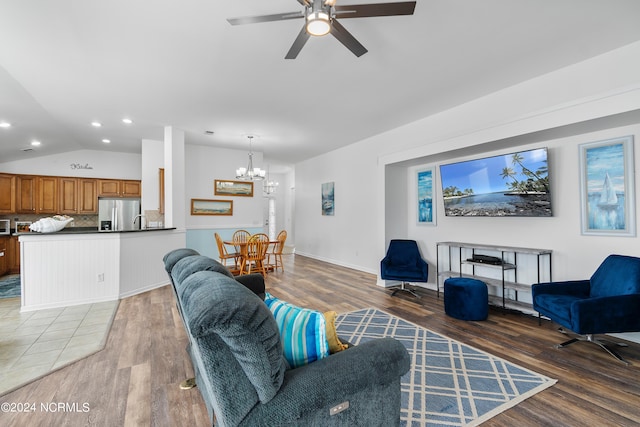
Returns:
point(90, 230)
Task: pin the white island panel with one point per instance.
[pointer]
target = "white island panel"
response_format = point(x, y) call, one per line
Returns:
point(67, 269)
point(59, 270)
point(141, 265)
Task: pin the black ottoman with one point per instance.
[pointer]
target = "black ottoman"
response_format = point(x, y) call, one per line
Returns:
point(466, 299)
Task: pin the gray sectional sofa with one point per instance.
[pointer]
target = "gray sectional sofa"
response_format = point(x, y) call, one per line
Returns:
point(242, 374)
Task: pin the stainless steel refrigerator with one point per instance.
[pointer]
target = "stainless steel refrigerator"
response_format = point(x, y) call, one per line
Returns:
point(119, 214)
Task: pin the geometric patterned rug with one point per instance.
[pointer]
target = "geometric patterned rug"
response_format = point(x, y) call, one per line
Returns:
point(449, 383)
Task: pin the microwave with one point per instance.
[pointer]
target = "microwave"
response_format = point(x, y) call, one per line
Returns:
point(5, 226)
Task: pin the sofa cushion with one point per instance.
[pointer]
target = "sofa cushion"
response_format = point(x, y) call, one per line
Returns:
point(217, 304)
point(192, 264)
point(335, 345)
point(303, 332)
point(171, 258)
point(558, 306)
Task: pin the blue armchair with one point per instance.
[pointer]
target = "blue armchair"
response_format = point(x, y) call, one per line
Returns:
point(608, 302)
point(404, 263)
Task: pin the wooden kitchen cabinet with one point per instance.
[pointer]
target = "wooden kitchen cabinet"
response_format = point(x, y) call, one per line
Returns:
point(47, 195)
point(119, 188)
point(7, 194)
point(4, 255)
point(108, 188)
point(87, 196)
point(78, 196)
point(26, 193)
point(13, 257)
point(131, 188)
point(68, 197)
point(161, 186)
point(36, 194)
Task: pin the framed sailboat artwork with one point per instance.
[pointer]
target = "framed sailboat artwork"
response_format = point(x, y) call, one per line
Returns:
point(607, 187)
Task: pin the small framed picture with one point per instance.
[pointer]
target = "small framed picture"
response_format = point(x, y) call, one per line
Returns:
point(328, 199)
point(23, 226)
point(426, 208)
point(232, 188)
point(211, 207)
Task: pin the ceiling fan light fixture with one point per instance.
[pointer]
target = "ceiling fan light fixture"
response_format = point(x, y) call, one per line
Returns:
point(318, 23)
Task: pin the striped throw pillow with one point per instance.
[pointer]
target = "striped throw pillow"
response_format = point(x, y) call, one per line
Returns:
point(302, 332)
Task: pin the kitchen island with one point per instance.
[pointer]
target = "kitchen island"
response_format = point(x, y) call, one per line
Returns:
point(82, 266)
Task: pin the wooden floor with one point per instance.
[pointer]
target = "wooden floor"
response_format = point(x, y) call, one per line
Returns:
point(134, 380)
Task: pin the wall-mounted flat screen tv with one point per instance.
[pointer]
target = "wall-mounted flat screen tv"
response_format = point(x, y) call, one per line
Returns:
point(515, 184)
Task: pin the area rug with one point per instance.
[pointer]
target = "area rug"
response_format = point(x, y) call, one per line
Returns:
point(10, 286)
point(450, 383)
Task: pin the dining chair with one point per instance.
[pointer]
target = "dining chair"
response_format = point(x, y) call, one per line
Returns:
point(241, 237)
point(276, 252)
point(225, 254)
point(255, 254)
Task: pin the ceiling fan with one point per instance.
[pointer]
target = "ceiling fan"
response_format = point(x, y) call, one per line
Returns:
point(320, 17)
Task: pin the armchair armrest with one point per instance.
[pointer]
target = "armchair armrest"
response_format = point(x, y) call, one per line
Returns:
point(571, 287)
point(254, 282)
point(371, 367)
point(614, 314)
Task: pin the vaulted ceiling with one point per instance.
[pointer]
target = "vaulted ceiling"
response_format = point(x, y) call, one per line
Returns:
point(67, 63)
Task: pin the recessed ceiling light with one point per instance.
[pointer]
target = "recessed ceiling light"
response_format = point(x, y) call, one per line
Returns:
point(106, 141)
point(5, 125)
point(96, 124)
point(127, 120)
point(35, 143)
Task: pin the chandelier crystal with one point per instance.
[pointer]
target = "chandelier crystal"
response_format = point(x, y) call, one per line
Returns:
point(250, 173)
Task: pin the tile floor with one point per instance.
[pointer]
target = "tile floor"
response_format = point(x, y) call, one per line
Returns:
point(35, 343)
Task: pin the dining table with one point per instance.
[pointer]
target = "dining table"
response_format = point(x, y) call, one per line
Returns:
point(243, 251)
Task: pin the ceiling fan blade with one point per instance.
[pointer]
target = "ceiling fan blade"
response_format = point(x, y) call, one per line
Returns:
point(298, 44)
point(347, 39)
point(265, 18)
point(375, 9)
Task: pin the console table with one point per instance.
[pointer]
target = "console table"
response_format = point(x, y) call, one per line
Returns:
point(509, 279)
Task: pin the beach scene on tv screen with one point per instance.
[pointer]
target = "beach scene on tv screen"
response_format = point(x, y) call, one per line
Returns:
point(515, 184)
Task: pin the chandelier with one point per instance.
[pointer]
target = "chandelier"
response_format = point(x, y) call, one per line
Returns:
point(269, 187)
point(250, 173)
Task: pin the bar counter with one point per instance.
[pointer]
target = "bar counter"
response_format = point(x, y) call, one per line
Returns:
point(80, 265)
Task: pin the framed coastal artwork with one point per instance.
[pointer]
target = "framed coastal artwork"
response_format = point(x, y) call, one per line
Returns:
point(232, 188)
point(505, 185)
point(606, 187)
point(426, 209)
point(328, 199)
point(211, 207)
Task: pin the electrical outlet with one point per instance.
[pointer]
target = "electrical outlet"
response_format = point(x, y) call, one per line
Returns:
point(101, 277)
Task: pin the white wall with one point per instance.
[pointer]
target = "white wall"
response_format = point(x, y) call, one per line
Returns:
point(152, 161)
point(206, 164)
point(81, 163)
point(347, 237)
point(366, 201)
point(574, 256)
point(288, 189)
